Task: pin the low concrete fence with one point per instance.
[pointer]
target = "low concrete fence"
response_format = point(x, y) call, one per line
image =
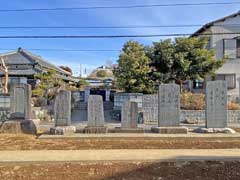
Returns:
point(120, 98)
point(199, 115)
point(4, 106)
point(4, 101)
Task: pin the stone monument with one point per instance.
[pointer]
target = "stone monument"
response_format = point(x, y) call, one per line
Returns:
point(62, 114)
point(95, 115)
point(129, 118)
point(216, 104)
point(21, 102)
point(169, 110)
point(20, 120)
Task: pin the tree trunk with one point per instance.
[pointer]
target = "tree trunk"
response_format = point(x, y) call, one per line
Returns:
point(4, 68)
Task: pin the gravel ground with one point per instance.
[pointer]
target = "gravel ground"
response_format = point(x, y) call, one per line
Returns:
point(210, 170)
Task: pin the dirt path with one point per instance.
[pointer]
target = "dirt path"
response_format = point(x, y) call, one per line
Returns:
point(120, 155)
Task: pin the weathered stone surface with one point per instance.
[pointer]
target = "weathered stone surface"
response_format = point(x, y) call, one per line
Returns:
point(95, 111)
point(169, 105)
point(20, 126)
point(190, 121)
point(216, 104)
point(214, 130)
point(63, 130)
point(170, 130)
point(129, 115)
point(86, 94)
point(21, 101)
point(150, 108)
point(95, 130)
point(62, 109)
point(128, 130)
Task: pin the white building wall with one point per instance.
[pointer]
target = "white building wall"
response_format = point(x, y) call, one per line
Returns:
point(232, 66)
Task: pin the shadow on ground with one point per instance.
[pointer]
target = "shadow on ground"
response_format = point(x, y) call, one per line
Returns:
point(180, 170)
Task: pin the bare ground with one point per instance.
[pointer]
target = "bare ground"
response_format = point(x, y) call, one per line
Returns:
point(27, 142)
point(208, 170)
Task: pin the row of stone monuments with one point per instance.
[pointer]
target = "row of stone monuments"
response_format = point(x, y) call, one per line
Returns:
point(95, 115)
point(168, 111)
point(169, 107)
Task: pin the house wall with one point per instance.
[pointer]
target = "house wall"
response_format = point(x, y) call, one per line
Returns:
point(232, 66)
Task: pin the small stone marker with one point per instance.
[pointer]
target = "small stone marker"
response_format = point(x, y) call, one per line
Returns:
point(169, 110)
point(216, 104)
point(129, 115)
point(62, 109)
point(95, 115)
point(129, 118)
point(21, 102)
point(62, 114)
point(169, 105)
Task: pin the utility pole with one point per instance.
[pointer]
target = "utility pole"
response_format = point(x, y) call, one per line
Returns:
point(80, 70)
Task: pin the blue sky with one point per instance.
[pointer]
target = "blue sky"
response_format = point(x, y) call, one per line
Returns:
point(106, 17)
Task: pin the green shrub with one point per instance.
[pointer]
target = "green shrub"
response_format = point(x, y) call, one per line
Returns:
point(101, 73)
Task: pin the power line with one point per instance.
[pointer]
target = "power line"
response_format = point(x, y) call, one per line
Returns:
point(114, 27)
point(120, 7)
point(66, 50)
point(110, 36)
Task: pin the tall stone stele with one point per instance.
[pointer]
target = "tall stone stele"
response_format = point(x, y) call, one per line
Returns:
point(20, 107)
point(129, 115)
point(62, 114)
point(216, 104)
point(95, 111)
point(169, 110)
point(95, 115)
point(62, 109)
point(169, 105)
point(20, 120)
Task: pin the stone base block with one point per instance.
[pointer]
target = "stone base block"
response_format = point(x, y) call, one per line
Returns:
point(63, 130)
point(20, 126)
point(214, 130)
point(170, 130)
point(128, 130)
point(95, 130)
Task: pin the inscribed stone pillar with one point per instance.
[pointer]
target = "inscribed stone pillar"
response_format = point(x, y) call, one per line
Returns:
point(62, 109)
point(129, 115)
point(21, 101)
point(169, 105)
point(86, 94)
point(95, 111)
point(107, 94)
point(216, 104)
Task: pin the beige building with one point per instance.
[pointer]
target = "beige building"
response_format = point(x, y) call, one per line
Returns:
point(225, 39)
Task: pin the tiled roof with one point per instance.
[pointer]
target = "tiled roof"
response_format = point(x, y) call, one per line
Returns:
point(42, 62)
point(206, 26)
point(24, 57)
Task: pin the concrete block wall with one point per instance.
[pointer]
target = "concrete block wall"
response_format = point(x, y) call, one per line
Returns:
point(120, 98)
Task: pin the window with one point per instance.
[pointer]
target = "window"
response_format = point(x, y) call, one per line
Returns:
point(238, 48)
point(230, 78)
point(231, 48)
point(197, 84)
